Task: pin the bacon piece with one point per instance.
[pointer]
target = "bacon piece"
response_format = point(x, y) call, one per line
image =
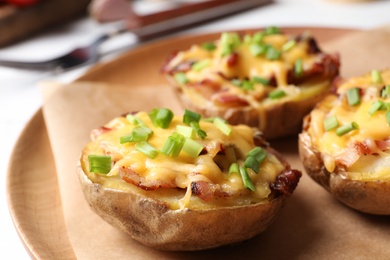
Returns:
point(95, 133)
point(206, 87)
point(128, 175)
point(204, 190)
point(232, 60)
point(286, 182)
point(165, 68)
point(353, 153)
point(230, 100)
point(383, 145)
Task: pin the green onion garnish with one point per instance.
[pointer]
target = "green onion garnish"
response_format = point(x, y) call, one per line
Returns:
point(192, 147)
point(173, 145)
point(258, 153)
point(342, 130)
point(190, 116)
point(279, 93)
point(147, 149)
point(289, 45)
point(236, 82)
point(246, 179)
point(222, 126)
point(234, 168)
point(99, 163)
point(229, 41)
point(134, 120)
point(377, 105)
point(247, 39)
point(388, 117)
point(139, 133)
point(272, 53)
point(298, 68)
point(257, 49)
point(200, 65)
point(161, 117)
point(258, 37)
point(330, 123)
point(181, 78)
point(386, 92)
point(209, 46)
point(272, 30)
point(260, 80)
point(376, 76)
point(187, 131)
point(353, 96)
point(199, 132)
point(252, 163)
point(247, 85)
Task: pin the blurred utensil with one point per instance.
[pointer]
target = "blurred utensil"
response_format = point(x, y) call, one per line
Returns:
point(152, 26)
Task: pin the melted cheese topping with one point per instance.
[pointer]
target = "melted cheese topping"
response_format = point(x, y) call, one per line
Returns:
point(219, 70)
point(183, 170)
point(371, 128)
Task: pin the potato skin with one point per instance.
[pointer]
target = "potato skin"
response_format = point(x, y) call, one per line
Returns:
point(291, 112)
point(154, 224)
point(371, 197)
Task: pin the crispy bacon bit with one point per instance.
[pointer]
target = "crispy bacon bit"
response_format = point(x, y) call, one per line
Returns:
point(226, 99)
point(286, 182)
point(232, 60)
point(165, 67)
point(128, 175)
point(95, 133)
point(204, 190)
point(383, 145)
point(206, 87)
point(313, 46)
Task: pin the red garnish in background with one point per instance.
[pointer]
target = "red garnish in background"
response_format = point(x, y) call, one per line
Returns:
point(21, 3)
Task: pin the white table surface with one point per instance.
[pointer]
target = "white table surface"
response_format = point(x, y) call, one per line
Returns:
point(20, 96)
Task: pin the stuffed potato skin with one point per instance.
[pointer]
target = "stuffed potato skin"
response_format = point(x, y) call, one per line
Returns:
point(189, 206)
point(344, 173)
point(240, 86)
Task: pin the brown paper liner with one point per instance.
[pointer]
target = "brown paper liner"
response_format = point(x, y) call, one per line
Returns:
point(311, 225)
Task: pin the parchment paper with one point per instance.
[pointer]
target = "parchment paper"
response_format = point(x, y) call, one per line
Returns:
point(312, 225)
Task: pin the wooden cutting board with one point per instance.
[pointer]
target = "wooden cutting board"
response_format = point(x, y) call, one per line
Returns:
point(19, 23)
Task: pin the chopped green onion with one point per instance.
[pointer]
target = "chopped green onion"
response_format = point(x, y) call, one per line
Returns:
point(272, 30)
point(99, 163)
point(134, 120)
point(181, 78)
point(209, 46)
point(342, 130)
point(252, 163)
point(260, 80)
point(377, 105)
point(330, 123)
point(234, 168)
point(247, 39)
point(386, 92)
point(258, 37)
point(276, 94)
point(199, 132)
point(139, 133)
point(247, 85)
point(388, 117)
point(222, 126)
point(200, 65)
point(187, 131)
point(147, 149)
point(353, 96)
point(272, 53)
point(208, 119)
point(289, 45)
point(298, 68)
point(257, 49)
point(161, 117)
point(190, 116)
point(236, 82)
point(173, 145)
point(229, 41)
point(192, 147)
point(376, 76)
point(246, 179)
point(258, 153)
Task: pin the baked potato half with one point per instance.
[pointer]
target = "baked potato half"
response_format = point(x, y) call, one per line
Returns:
point(258, 79)
point(345, 143)
point(179, 182)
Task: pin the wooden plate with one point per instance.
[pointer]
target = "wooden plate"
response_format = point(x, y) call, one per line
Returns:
point(306, 227)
